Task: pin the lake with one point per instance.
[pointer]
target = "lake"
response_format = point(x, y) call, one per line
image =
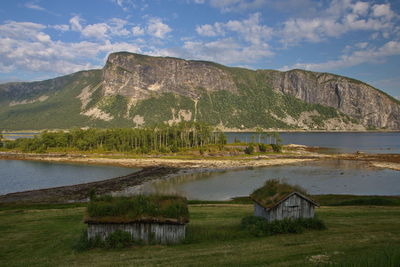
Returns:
point(330, 177)
point(13, 136)
point(369, 142)
point(321, 177)
point(18, 175)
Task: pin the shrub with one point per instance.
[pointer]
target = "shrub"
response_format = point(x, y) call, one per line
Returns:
point(262, 148)
point(84, 243)
point(276, 148)
point(174, 148)
point(119, 239)
point(201, 151)
point(249, 150)
point(259, 226)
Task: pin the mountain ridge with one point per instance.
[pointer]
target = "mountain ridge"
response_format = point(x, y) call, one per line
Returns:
point(135, 90)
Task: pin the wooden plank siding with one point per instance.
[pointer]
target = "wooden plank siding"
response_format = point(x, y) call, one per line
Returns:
point(146, 232)
point(293, 207)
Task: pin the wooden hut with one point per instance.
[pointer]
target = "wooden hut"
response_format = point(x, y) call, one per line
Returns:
point(150, 219)
point(278, 201)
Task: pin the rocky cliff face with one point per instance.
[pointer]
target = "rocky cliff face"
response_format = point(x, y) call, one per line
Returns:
point(354, 98)
point(139, 77)
point(136, 90)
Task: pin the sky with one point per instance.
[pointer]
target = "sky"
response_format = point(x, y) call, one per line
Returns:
point(41, 39)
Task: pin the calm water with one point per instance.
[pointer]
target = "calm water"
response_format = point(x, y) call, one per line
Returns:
point(13, 136)
point(18, 175)
point(324, 177)
point(340, 142)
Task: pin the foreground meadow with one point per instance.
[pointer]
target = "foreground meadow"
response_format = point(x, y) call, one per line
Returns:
point(364, 235)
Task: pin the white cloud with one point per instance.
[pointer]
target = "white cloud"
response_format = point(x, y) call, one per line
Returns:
point(101, 31)
point(20, 30)
point(42, 37)
point(361, 8)
point(25, 47)
point(238, 42)
point(97, 31)
point(137, 31)
point(250, 30)
point(210, 30)
point(224, 51)
point(382, 10)
point(61, 27)
point(342, 16)
point(75, 22)
point(34, 6)
point(237, 5)
point(156, 28)
point(126, 5)
point(117, 27)
point(362, 45)
point(370, 55)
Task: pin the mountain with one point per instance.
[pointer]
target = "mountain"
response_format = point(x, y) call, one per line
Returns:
point(136, 90)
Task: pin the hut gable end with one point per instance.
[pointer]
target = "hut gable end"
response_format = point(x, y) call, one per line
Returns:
point(293, 206)
point(278, 201)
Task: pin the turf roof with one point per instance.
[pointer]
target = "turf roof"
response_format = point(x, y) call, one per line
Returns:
point(151, 208)
point(274, 191)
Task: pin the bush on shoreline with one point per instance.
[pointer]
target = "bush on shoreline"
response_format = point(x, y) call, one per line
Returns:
point(249, 150)
point(258, 226)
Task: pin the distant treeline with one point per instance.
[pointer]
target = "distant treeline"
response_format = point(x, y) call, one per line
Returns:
point(161, 138)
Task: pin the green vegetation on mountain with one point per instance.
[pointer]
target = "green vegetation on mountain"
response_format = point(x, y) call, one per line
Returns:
point(163, 108)
point(60, 110)
point(137, 90)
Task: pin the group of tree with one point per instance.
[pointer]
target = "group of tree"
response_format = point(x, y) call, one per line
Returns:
point(159, 138)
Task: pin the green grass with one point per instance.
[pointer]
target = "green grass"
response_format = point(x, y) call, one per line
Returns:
point(352, 200)
point(31, 237)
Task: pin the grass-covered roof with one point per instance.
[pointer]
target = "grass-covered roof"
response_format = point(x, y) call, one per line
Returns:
point(274, 191)
point(140, 208)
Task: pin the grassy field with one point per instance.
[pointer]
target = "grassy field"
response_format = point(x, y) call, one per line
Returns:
point(355, 234)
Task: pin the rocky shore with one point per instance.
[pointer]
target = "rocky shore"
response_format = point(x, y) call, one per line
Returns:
point(80, 192)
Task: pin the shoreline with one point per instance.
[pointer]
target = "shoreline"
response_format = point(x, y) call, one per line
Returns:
point(162, 168)
point(80, 192)
point(258, 161)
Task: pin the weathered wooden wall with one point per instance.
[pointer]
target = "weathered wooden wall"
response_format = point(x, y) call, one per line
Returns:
point(294, 207)
point(147, 232)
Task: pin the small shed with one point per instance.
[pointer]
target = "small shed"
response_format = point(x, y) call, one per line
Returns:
point(150, 219)
point(278, 201)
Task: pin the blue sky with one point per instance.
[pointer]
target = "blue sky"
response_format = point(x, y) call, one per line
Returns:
point(42, 39)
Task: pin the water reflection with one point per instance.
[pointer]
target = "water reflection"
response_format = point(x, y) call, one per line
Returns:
point(18, 175)
point(370, 142)
point(323, 177)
